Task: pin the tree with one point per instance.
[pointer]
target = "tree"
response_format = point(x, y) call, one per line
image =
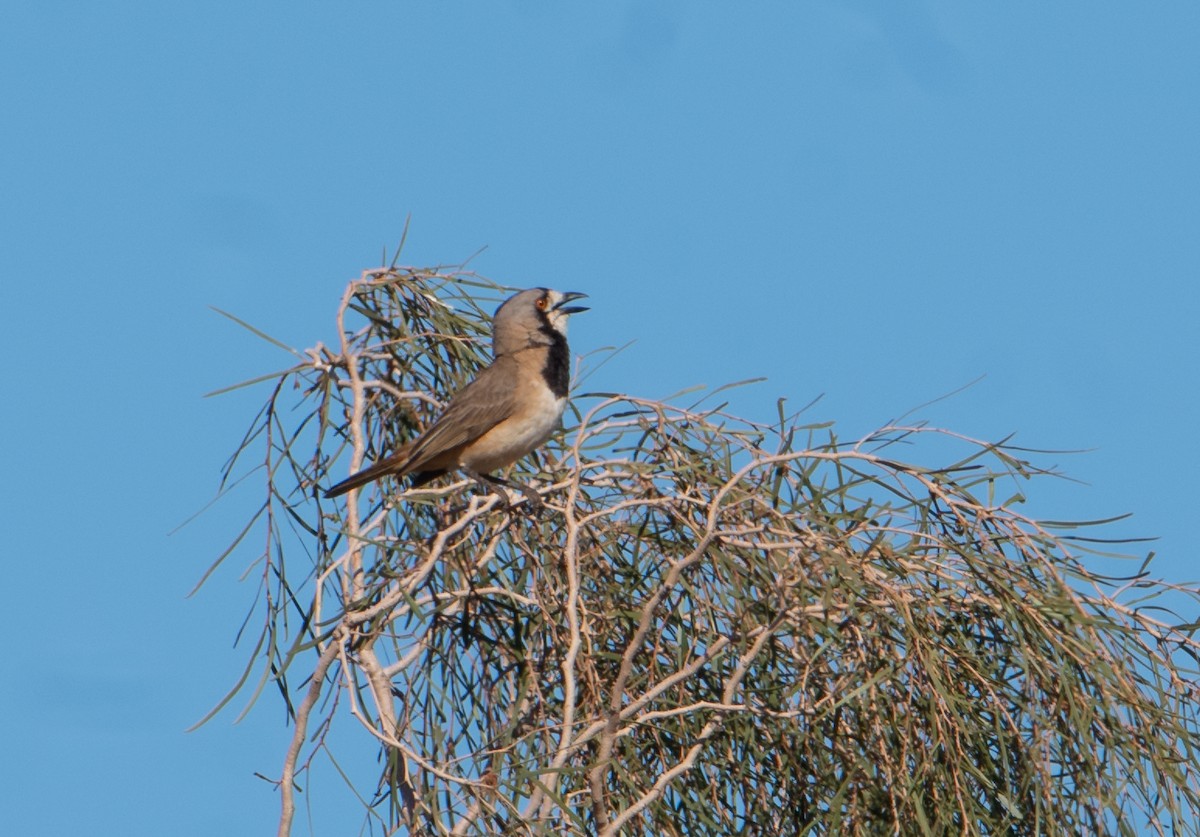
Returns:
point(717, 626)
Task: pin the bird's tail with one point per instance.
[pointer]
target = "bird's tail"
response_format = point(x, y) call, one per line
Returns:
point(389, 465)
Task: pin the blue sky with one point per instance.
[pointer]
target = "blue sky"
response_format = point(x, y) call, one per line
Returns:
point(871, 201)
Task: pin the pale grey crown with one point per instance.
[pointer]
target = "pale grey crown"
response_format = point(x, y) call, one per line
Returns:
point(531, 318)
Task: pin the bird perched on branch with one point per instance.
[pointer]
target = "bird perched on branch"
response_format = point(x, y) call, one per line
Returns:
point(509, 410)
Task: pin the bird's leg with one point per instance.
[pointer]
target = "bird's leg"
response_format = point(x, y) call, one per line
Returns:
point(490, 485)
point(532, 497)
point(493, 484)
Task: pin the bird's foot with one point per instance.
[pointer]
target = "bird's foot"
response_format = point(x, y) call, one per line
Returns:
point(490, 487)
point(496, 485)
point(532, 498)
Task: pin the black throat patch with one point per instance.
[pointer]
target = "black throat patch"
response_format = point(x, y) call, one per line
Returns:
point(557, 370)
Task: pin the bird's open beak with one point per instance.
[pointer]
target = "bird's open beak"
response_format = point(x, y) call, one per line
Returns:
point(569, 296)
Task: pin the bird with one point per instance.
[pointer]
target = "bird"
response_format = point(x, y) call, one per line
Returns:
point(506, 412)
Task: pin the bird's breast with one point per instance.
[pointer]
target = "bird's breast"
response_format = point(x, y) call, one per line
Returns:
point(533, 422)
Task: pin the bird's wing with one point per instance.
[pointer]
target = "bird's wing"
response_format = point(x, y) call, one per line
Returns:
point(474, 410)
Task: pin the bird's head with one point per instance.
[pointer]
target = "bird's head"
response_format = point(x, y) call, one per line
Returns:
point(533, 318)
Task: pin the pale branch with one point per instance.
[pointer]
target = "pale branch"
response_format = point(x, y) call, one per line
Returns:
point(715, 626)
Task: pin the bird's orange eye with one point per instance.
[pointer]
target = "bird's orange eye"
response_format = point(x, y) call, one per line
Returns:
point(543, 303)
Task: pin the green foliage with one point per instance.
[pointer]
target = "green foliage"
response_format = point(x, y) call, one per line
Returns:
point(716, 627)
